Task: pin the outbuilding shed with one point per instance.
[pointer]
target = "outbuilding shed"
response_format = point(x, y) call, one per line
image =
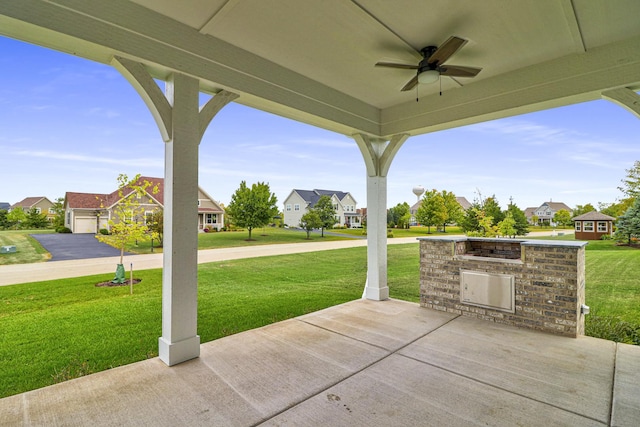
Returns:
point(593, 225)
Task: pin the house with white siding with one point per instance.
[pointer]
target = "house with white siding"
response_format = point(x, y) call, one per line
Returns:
point(300, 201)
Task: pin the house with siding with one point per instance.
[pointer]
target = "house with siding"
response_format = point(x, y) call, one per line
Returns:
point(90, 212)
point(41, 204)
point(593, 225)
point(545, 212)
point(300, 201)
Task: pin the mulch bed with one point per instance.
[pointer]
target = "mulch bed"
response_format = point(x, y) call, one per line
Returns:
point(110, 285)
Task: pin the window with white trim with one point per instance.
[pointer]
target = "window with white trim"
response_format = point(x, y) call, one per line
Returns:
point(296, 207)
point(578, 225)
point(289, 207)
point(38, 210)
point(602, 226)
point(588, 226)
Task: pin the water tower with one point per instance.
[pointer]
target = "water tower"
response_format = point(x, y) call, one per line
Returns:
point(418, 191)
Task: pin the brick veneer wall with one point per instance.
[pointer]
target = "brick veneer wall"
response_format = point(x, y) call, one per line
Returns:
point(549, 279)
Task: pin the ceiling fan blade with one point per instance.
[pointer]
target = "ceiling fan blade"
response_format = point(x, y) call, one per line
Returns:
point(410, 84)
point(445, 50)
point(396, 65)
point(459, 71)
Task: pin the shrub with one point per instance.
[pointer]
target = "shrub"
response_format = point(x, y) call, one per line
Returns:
point(104, 231)
point(63, 230)
point(206, 230)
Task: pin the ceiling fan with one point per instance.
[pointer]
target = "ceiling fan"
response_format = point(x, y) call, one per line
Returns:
point(431, 67)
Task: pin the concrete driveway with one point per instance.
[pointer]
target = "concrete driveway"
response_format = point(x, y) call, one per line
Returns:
point(63, 247)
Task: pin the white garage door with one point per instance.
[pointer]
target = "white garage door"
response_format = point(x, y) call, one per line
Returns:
point(84, 225)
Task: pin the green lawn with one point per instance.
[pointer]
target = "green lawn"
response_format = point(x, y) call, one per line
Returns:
point(58, 330)
point(28, 249)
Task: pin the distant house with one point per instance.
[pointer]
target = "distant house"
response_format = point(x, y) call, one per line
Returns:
point(300, 201)
point(90, 212)
point(545, 212)
point(462, 201)
point(41, 204)
point(592, 226)
point(5, 206)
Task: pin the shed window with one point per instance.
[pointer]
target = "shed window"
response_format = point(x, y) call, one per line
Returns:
point(588, 226)
point(602, 226)
point(578, 225)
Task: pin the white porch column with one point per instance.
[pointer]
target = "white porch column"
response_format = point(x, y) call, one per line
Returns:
point(182, 124)
point(179, 340)
point(377, 154)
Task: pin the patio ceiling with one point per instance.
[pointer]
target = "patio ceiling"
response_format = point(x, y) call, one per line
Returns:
point(313, 61)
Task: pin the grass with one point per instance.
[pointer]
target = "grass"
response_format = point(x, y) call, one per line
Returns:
point(28, 249)
point(57, 330)
point(232, 239)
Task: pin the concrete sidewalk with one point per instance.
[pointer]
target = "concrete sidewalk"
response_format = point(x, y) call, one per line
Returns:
point(36, 272)
point(363, 363)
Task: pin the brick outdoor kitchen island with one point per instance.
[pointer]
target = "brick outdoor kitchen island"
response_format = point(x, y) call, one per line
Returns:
point(535, 284)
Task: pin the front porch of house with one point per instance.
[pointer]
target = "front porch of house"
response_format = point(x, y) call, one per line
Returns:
point(374, 363)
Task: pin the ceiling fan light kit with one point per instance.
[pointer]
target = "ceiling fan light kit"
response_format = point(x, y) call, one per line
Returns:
point(428, 76)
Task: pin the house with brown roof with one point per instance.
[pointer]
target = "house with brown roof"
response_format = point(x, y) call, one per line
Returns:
point(545, 212)
point(593, 225)
point(41, 204)
point(90, 212)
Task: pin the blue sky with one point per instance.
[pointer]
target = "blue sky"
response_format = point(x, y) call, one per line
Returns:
point(69, 124)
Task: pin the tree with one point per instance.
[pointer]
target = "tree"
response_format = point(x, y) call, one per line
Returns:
point(309, 221)
point(252, 207)
point(155, 223)
point(4, 222)
point(326, 212)
point(58, 208)
point(616, 209)
point(628, 225)
point(491, 208)
point(535, 219)
point(507, 227)
point(485, 227)
point(583, 209)
point(475, 222)
point(521, 224)
point(453, 209)
point(16, 217)
point(35, 220)
point(562, 217)
point(432, 210)
point(631, 183)
point(399, 215)
point(127, 224)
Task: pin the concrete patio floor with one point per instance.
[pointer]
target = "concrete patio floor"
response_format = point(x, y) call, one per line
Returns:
point(363, 363)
